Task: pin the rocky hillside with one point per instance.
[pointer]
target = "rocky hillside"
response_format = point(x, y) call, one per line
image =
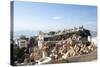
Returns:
point(83, 33)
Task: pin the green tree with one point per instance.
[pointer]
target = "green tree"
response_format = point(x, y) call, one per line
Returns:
point(18, 53)
point(23, 37)
point(51, 33)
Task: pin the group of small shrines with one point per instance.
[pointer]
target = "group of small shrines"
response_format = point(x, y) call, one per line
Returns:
point(62, 49)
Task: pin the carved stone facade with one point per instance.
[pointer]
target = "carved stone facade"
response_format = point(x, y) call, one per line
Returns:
point(40, 39)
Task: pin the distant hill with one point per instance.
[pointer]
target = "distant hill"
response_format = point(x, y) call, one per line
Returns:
point(26, 33)
point(93, 33)
point(29, 33)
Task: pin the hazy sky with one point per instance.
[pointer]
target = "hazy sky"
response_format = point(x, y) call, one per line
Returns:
point(45, 16)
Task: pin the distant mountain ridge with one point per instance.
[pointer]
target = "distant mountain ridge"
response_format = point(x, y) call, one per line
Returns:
point(26, 33)
point(29, 33)
point(93, 33)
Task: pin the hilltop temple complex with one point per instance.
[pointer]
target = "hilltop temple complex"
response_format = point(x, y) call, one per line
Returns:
point(56, 47)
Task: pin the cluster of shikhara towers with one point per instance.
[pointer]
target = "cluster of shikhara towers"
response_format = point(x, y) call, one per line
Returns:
point(64, 49)
point(55, 51)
